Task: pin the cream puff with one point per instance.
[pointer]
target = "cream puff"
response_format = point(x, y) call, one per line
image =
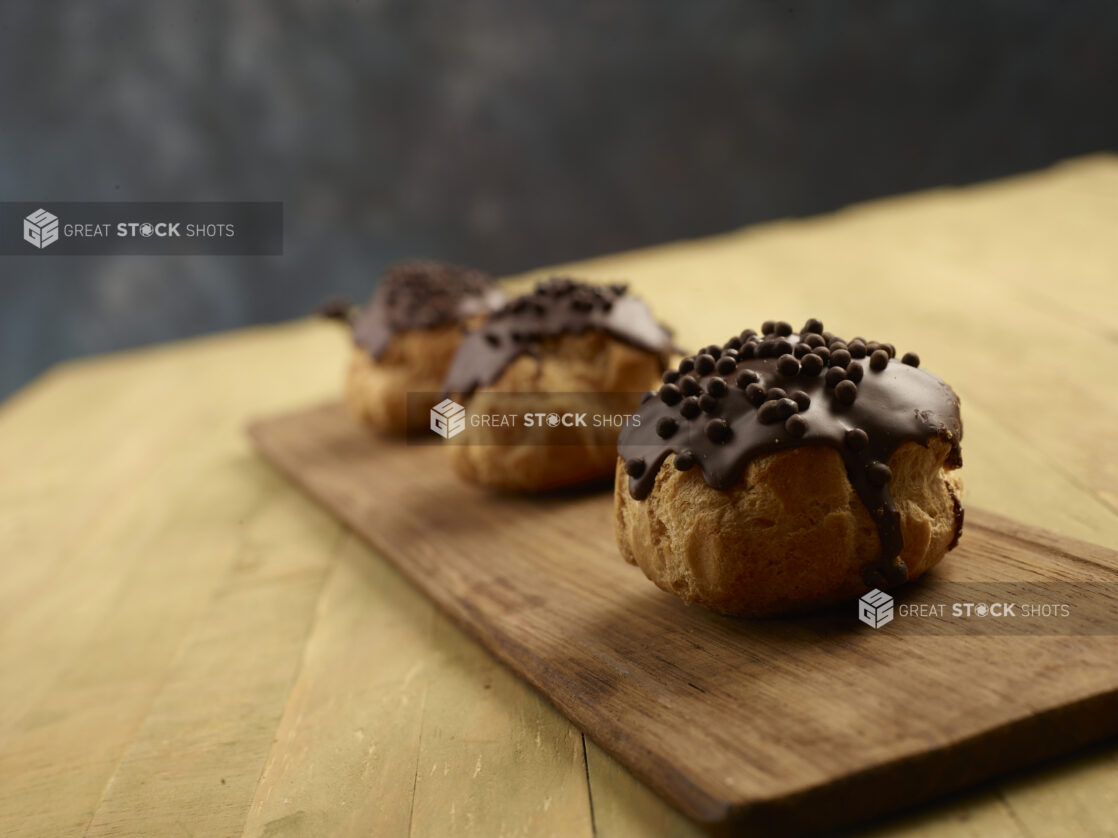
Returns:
point(784, 471)
point(565, 349)
point(405, 338)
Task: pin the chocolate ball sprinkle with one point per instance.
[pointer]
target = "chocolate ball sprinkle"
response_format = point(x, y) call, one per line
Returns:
point(811, 365)
point(911, 358)
point(823, 352)
point(788, 366)
point(747, 351)
point(747, 377)
point(726, 365)
point(787, 407)
point(755, 393)
point(840, 358)
point(783, 328)
point(717, 387)
point(814, 340)
point(846, 391)
point(769, 413)
point(796, 425)
point(834, 376)
point(708, 403)
point(854, 372)
point(685, 461)
point(857, 348)
point(775, 394)
point(878, 474)
point(690, 407)
point(782, 347)
point(879, 360)
point(689, 385)
point(634, 467)
point(666, 427)
point(802, 399)
point(800, 349)
point(670, 376)
point(813, 325)
point(670, 394)
point(768, 327)
point(686, 365)
point(704, 364)
point(856, 439)
point(718, 431)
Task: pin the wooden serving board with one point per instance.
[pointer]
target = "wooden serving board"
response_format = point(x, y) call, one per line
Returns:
point(745, 726)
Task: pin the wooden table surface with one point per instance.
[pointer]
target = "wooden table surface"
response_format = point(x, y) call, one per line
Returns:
point(190, 646)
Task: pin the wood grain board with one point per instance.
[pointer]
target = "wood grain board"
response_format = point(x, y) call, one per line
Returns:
point(742, 725)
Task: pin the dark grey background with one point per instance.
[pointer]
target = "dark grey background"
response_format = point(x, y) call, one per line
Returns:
point(498, 133)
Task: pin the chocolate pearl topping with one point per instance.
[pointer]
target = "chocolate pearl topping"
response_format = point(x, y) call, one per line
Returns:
point(846, 392)
point(685, 460)
point(718, 431)
point(704, 364)
point(422, 295)
point(634, 467)
point(666, 427)
point(750, 403)
point(811, 365)
point(747, 377)
point(556, 307)
point(787, 365)
point(726, 365)
point(796, 425)
point(670, 394)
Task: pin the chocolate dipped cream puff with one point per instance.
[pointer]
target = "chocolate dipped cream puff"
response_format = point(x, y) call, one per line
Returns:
point(566, 349)
point(782, 472)
point(406, 337)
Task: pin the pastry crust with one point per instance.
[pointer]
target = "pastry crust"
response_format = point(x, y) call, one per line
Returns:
point(589, 372)
point(791, 536)
point(415, 361)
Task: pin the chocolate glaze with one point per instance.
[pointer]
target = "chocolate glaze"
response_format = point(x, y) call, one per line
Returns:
point(880, 406)
point(557, 306)
point(422, 295)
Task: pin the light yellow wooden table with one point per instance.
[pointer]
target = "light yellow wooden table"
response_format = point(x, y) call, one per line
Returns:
point(188, 646)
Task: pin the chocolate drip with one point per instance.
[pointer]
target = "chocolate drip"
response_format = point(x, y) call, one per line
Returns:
point(555, 307)
point(759, 394)
point(422, 295)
